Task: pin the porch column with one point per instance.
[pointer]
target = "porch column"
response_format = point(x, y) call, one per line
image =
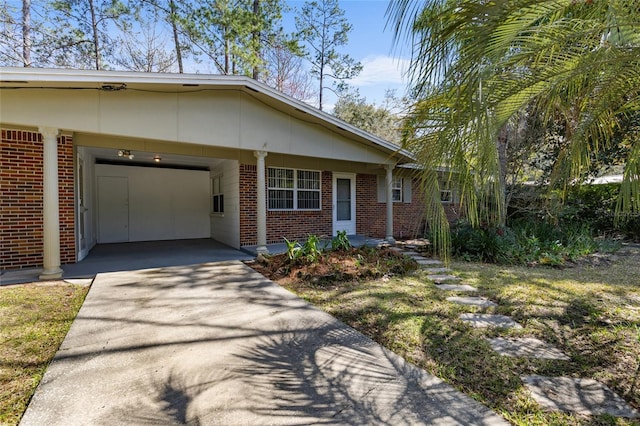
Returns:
point(389, 182)
point(261, 213)
point(50, 205)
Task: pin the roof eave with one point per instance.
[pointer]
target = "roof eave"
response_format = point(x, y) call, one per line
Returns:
point(15, 75)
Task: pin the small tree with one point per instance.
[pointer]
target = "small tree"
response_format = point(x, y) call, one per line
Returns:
point(145, 50)
point(323, 28)
point(285, 72)
point(82, 31)
point(384, 121)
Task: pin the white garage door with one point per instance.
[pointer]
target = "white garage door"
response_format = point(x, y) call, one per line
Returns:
point(163, 204)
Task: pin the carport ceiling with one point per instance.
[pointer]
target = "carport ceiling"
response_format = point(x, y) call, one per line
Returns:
point(111, 155)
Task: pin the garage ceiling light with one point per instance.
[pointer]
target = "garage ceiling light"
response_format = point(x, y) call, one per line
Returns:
point(125, 153)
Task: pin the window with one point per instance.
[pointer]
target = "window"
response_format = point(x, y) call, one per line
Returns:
point(401, 189)
point(446, 195)
point(396, 190)
point(290, 189)
point(218, 196)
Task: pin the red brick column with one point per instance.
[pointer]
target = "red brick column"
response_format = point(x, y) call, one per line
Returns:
point(21, 199)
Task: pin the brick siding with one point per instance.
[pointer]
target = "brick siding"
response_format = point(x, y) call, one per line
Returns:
point(293, 225)
point(371, 216)
point(21, 233)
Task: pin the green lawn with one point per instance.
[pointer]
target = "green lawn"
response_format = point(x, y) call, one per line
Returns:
point(34, 319)
point(591, 313)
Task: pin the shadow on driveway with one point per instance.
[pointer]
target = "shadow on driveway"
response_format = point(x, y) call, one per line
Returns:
point(218, 343)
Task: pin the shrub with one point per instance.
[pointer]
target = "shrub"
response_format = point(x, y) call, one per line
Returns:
point(524, 242)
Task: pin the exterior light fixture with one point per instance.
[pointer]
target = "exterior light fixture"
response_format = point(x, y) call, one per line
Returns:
point(157, 158)
point(125, 153)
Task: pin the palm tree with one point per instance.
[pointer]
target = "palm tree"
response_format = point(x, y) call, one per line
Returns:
point(479, 66)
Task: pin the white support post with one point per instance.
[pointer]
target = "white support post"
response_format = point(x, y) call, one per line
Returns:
point(261, 213)
point(50, 205)
point(389, 181)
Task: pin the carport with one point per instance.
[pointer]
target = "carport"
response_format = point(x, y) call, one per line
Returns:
point(249, 165)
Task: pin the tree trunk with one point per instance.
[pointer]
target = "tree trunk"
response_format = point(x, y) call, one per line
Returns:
point(503, 146)
point(256, 38)
point(26, 33)
point(96, 39)
point(176, 40)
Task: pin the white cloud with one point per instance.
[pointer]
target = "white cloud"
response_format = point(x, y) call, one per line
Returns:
point(380, 69)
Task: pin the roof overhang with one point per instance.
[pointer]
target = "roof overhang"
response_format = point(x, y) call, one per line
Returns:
point(66, 79)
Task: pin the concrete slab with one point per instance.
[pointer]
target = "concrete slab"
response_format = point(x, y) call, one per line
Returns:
point(526, 347)
point(85, 282)
point(218, 343)
point(18, 276)
point(480, 302)
point(428, 262)
point(437, 270)
point(456, 287)
point(582, 396)
point(489, 320)
point(441, 278)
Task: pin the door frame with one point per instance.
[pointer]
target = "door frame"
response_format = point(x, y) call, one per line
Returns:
point(82, 209)
point(349, 226)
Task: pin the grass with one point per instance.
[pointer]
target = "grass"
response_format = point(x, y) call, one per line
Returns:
point(34, 320)
point(591, 313)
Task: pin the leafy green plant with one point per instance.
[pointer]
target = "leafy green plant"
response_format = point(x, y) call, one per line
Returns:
point(340, 241)
point(311, 248)
point(293, 249)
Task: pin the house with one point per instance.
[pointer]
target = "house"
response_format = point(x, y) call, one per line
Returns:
point(95, 157)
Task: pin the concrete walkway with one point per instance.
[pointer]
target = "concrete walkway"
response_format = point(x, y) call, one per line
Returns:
point(217, 343)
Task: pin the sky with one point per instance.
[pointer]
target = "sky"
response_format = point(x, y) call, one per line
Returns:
point(371, 45)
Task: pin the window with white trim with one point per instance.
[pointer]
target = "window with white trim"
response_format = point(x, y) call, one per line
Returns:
point(291, 189)
point(217, 195)
point(446, 195)
point(397, 188)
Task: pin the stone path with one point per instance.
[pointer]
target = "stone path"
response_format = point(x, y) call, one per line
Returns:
point(441, 278)
point(489, 320)
point(480, 302)
point(582, 396)
point(526, 347)
point(456, 287)
point(575, 395)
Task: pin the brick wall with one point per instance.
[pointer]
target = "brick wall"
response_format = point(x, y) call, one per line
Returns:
point(371, 216)
point(408, 218)
point(21, 155)
point(248, 196)
point(293, 225)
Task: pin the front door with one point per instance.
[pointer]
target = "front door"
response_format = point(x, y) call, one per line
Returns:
point(344, 203)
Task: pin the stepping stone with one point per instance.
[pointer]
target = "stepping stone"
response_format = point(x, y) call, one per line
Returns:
point(481, 302)
point(439, 279)
point(582, 396)
point(437, 270)
point(456, 287)
point(526, 347)
point(412, 254)
point(489, 320)
point(422, 261)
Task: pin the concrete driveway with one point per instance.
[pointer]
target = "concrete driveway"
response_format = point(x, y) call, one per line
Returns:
point(217, 343)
